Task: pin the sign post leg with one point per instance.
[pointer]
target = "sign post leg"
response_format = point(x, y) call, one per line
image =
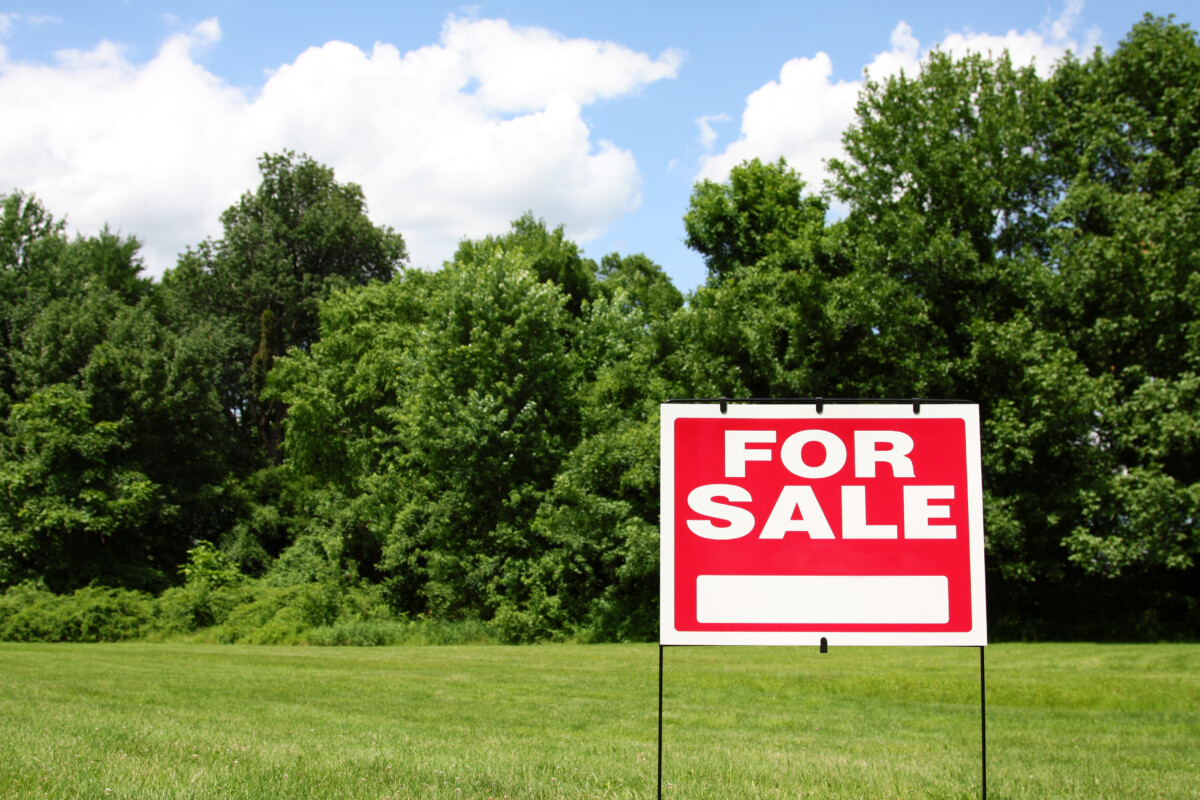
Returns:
point(982, 723)
point(660, 717)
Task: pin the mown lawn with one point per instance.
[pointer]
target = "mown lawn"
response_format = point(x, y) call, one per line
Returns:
point(193, 721)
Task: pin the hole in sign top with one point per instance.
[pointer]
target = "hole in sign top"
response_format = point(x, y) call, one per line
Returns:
point(862, 524)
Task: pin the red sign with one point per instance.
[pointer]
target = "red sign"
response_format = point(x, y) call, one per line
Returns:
point(862, 524)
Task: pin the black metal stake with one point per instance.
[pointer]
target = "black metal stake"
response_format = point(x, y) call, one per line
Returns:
point(982, 723)
point(660, 709)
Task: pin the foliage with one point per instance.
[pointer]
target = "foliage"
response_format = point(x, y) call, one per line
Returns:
point(71, 512)
point(436, 413)
point(208, 565)
point(1128, 249)
point(1072, 309)
point(760, 211)
point(641, 283)
point(112, 445)
point(486, 418)
point(286, 246)
point(31, 242)
point(31, 613)
point(551, 257)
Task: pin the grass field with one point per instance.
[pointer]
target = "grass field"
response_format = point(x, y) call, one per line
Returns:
point(192, 721)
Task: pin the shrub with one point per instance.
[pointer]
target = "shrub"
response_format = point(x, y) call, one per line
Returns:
point(360, 633)
point(31, 613)
point(208, 565)
point(189, 608)
point(248, 612)
point(379, 632)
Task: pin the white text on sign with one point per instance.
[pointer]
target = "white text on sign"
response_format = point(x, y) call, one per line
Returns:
point(797, 509)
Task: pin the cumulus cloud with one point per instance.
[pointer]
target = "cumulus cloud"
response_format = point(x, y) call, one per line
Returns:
point(450, 140)
point(1041, 48)
point(801, 116)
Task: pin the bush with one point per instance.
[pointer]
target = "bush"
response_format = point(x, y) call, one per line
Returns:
point(379, 632)
point(249, 612)
point(256, 612)
point(360, 633)
point(31, 613)
point(189, 608)
point(264, 615)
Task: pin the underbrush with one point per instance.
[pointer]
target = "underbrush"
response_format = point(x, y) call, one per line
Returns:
point(246, 612)
point(374, 632)
point(31, 613)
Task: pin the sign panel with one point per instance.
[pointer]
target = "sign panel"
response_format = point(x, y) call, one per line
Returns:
point(862, 524)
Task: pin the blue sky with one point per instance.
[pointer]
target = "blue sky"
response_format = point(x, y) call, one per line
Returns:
point(456, 118)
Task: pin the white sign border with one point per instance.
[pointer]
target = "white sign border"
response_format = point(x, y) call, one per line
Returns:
point(967, 412)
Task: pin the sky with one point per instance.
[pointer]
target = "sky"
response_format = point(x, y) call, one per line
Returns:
point(456, 119)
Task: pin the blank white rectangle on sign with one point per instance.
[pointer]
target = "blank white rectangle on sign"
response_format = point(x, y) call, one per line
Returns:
point(823, 599)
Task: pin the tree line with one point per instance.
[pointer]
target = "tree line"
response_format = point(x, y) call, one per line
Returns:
point(294, 405)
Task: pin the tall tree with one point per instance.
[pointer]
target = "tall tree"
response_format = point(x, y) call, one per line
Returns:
point(790, 309)
point(111, 448)
point(1128, 250)
point(31, 242)
point(488, 413)
point(950, 186)
point(286, 246)
point(1048, 226)
point(1026, 243)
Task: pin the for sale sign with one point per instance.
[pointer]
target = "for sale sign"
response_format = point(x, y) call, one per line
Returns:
point(860, 523)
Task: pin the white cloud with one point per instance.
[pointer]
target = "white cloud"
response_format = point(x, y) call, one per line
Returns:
point(708, 135)
point(1060, 29)
point(454, 139)
point(801, 116)
point(7, 20)
point(520, 69)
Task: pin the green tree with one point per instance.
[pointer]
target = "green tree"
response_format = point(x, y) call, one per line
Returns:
point(434, 414)
point(950, 184)
point(286, 246)
point(1128, 250)
point(953, 179)
point(342, 395)
point(1048, 228)
point(71, 514)
point(488, 413)
point(597, 575)
point(551, 257)
point(799, 313)
point(93, 368)
point(761, 210)
point(31, 242)
point(463, 429)
point(643, 284)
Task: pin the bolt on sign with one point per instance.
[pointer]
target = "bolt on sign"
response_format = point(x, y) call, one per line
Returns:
point(784, 524)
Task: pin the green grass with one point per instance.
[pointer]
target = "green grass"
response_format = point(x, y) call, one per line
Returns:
point(580, 721)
